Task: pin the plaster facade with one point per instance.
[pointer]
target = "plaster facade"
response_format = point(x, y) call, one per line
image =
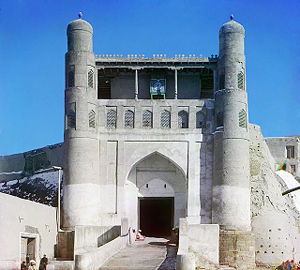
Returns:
point(22, 220)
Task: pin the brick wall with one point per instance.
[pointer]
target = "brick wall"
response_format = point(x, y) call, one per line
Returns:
point(237, 249)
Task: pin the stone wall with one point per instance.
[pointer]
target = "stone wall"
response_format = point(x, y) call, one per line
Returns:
point(237, 249)
point(17, 166)
point(275, 220)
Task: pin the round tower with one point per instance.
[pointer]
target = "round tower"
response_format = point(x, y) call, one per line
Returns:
point(81, 148)
point(231, 193)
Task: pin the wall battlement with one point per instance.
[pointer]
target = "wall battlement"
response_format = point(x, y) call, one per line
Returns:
point(157, 57)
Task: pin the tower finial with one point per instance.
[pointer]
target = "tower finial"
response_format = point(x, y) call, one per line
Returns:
point(80, 15)
point(231, 17)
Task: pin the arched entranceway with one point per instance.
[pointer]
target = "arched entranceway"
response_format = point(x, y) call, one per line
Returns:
point(156, 195)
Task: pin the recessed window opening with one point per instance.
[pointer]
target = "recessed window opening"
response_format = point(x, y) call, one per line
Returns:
point(111, 119)
point(165, 119)
point(183, 119)
point(91, 78)
point(243, 119)
point(71, 119)
point(71, 78)
point(222, 81)
point(92, 119)
point(241, 80)
point(219, 119)
point(129, 119)
point(293, 169)
point(147, 119)
point(290, 151)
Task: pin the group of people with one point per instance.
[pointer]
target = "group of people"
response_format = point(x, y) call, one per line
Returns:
point(288, 265)
point(31, 265)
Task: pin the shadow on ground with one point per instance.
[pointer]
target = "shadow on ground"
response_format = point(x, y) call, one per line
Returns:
point(170, 262)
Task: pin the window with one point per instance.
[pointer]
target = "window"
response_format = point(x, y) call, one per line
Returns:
point(71, 78)
point(243, 119)
point(200, 120)
point(222, 81)
point(183, 119)
point(290, 151)
point(92, 119)
point(91, 78)
point(111, 119)
point(165, 119)
point(219, 119)
point(71, 119)
point(147, 119)
point(293, 169)
point(241, 80)
point(129, 119)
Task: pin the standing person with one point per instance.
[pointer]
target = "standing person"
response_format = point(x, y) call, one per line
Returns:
point(23, 266)
point(27, 260)
point(43, 263)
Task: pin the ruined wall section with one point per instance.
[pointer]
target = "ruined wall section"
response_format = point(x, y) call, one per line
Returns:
point(274, 218)
point(278, 148)
point(14, 167)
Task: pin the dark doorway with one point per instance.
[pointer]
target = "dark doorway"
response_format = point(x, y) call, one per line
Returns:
point(27, 249)
point(156, 216)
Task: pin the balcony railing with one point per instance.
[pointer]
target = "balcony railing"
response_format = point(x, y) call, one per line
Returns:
point(116, 114)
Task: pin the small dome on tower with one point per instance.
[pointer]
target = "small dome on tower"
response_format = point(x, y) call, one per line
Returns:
point(232, 27)
point(79, 24)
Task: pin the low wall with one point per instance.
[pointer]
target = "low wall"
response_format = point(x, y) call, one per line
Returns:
point(201, 240)
point(93, 260)
point(23, 218)
point(94, 236)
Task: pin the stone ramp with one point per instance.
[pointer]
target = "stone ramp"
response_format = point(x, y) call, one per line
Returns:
point(150, 254)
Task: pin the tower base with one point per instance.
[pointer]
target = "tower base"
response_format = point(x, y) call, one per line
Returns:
point(237, 249)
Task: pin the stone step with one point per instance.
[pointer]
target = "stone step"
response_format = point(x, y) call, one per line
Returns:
point(226, 267)
point(212, 267)
point(61, 265)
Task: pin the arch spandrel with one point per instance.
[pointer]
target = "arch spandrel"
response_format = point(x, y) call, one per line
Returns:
point(156, 188)
point(157, 166)
point(175, 152)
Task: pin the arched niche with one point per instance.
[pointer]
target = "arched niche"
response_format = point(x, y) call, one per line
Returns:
point(155, 176)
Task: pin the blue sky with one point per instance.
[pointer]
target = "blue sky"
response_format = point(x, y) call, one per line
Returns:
point(33, 44)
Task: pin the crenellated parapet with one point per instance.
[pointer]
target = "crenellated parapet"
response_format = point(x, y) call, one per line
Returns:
point(157, 57)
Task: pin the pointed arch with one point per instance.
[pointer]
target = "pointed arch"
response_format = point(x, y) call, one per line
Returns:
point(174, 163)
